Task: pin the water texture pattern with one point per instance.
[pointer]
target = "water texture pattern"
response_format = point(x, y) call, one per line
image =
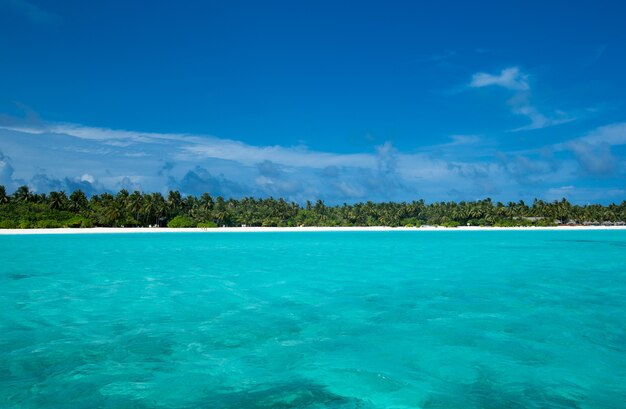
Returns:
point(504, 319)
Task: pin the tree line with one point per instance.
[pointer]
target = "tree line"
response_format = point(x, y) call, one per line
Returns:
point(26, 209)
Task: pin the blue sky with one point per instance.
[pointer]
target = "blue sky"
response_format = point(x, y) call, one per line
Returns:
point(344, 101)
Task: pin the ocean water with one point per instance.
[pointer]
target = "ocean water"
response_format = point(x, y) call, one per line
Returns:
point(451, 319)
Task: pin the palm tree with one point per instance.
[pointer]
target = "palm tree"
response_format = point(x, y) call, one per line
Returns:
point(562, 210)
point(219, 211)
point(158, 207)
point(3, 195)
point(134, 204)
point(78, 201)
point(174, 202)
point(122, 198)
point(57, 200)
point(22, 194)
point(113, 214)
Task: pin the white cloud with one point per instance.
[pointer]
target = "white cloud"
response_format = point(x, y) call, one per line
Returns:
point(6, 172)
point(614, 134)
point(193, 147)
point(385, 173)
point(510, 78)
point(514, 79)
point(537, 119)
point(250, 155)
point(194, 163)
point(87, 178)
point(593, 150)
point(460, 140)
point(585, 195)
point(595, 158)
point(608, 135)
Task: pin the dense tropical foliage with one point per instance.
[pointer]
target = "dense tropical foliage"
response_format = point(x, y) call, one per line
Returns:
point(25, 209)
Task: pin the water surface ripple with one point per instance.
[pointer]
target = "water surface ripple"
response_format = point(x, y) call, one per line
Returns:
point(504, 319)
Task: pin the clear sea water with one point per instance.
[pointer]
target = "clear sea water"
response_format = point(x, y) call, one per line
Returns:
point(504, 319)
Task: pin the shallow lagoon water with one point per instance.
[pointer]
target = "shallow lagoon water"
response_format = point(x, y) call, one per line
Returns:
point(450, 319)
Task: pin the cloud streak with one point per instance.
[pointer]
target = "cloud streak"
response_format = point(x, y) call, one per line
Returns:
point(514, 79)
point(99, 159)
point(193, 147)
point(594, 151)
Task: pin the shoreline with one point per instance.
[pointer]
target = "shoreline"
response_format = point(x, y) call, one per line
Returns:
point(131, 230)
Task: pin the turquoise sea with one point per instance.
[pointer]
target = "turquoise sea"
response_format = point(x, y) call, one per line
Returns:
point(450, 319)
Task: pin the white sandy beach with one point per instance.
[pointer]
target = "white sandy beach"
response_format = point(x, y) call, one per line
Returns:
point(109, 230)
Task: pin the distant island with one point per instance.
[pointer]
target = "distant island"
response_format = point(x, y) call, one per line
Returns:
point(24, 209)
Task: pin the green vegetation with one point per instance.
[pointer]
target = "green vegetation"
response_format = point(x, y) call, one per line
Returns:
point(181, 221)
point(25, 209)
point(207, 225)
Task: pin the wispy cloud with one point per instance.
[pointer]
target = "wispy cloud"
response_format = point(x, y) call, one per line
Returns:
point(614, 135)
point(594, 158)
point(6, 172)
point(465, 168)
point(594, 150)
point(33, 12)
point(510, 78)
point(609, 135)
point(513, 78)
point(520, 105)
point(595, 55)
point(442, 59)
point(193, 147)
point(600, 51)
point(585, 195)
point(458, 140)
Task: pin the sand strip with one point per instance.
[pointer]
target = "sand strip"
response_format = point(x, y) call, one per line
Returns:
point(109, 230)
